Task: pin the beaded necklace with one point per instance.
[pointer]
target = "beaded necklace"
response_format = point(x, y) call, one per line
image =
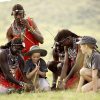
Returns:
point(72, 51)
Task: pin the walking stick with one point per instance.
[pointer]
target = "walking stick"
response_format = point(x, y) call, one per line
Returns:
point(35, 78)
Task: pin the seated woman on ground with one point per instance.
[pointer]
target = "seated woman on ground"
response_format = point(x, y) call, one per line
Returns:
point(90, 71)
point(65, 55)
point(35, 68)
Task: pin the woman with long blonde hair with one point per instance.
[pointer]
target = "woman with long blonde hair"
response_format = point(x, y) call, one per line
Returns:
point(91, 68)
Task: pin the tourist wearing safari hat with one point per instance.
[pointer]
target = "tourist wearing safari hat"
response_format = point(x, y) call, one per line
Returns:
point(35, 68)
point(91, 68)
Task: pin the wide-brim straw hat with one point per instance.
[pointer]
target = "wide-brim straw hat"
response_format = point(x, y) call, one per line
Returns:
point(36, 49)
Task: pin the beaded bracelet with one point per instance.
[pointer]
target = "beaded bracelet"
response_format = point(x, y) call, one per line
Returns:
point(31, 30)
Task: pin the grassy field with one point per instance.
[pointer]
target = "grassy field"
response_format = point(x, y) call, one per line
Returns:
point(62, 95)
point(81, 17)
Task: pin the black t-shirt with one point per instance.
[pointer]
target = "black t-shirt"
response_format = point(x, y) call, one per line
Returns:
point(29, 66)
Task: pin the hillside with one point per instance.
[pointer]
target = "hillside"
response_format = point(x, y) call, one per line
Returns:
point(81, 17)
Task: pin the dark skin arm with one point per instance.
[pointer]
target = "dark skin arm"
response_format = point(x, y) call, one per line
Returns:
point(9, 34)
point(55, 55)
point(65, 66)
point(78, 64)
point(21, 68)
point(7, 45)
point(5, 68)
point(33, 29)
point(21, 62)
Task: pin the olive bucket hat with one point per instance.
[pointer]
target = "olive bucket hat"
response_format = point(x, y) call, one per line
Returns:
point(36, 49)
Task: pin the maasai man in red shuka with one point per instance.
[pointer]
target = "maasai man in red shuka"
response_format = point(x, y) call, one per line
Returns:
point(25, 28)
point(11, 63)
point(65, 53)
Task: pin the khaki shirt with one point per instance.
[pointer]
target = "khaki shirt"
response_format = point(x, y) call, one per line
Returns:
point(93, 61)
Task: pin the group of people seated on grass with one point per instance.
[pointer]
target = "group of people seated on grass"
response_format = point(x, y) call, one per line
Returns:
point(22, 68)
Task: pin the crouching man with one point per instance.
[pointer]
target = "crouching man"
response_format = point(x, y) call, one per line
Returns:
point(11, 66)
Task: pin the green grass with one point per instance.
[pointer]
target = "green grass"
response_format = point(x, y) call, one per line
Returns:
point(81, 17)
point(60, 95)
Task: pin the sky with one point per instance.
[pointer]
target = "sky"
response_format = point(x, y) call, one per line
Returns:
point(4, 0)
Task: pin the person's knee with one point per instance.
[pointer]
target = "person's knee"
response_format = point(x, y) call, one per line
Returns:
point(3, 89)
point(82, 71)
point(47, 88)
point(84, 89)
point(87, 87)
point(85, 72)
point(52, 66)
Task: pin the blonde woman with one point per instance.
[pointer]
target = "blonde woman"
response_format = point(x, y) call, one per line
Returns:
point(91, 68)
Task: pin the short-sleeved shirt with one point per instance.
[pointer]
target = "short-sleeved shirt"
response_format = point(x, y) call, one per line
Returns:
point(93, 62)
point(29, 66)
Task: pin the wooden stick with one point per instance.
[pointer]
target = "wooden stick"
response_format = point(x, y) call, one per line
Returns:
point(34, 81)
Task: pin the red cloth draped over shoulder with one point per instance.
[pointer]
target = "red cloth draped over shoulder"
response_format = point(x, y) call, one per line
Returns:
point(72, 82)
point(8, 84)
point(29, 40)
point(74, 78)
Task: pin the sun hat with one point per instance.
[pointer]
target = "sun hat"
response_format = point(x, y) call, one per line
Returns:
point(87, 40)
point(36, 49)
